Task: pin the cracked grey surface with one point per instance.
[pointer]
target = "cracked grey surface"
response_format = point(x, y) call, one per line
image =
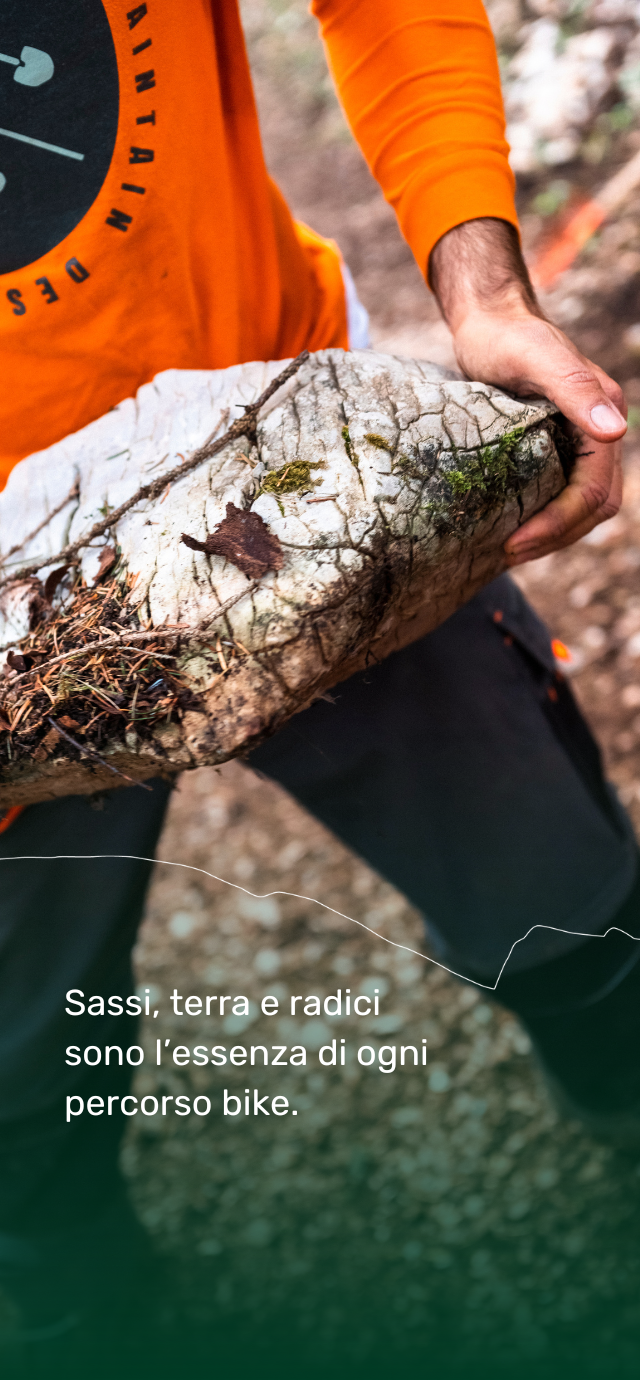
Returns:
point(385, 560)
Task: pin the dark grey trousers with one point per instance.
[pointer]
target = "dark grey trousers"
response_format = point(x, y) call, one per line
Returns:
point(450, 767)
point(463, 771)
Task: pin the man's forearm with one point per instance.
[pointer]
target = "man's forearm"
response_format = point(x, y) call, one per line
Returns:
point(419, 82)
point(480, 265)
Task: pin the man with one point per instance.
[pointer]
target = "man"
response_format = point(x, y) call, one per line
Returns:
point(140, 231)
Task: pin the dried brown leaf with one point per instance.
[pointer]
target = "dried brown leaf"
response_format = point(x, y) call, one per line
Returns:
point(244, 539)
point(39, 609)
point(17, 662)
point(53, 580)
point(107, 559)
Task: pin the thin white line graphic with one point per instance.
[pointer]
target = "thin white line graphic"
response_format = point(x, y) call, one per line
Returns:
point(263, 896)
point(40, 144)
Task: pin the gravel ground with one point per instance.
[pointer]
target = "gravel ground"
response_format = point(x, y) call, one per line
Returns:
point(424, 1193)
point(443, 1202)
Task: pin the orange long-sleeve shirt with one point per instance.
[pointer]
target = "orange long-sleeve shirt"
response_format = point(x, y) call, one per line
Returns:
point(139, 229)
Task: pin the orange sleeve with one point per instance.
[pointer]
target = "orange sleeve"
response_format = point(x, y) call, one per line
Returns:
point(420, 86)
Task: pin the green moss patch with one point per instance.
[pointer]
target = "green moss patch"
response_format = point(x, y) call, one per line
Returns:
point(350, 448)
point(489, 471)
point(292, 478)
point(378, 441)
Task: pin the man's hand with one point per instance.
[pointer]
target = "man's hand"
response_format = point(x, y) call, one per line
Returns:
point(480, 280)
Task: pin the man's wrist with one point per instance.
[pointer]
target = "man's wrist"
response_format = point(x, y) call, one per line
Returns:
point(477, 268)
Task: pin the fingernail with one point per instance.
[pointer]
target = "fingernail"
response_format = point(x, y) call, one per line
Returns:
point(606, 417)
point(522, 549)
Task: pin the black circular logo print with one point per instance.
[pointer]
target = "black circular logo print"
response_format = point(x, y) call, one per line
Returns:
point(58, 120)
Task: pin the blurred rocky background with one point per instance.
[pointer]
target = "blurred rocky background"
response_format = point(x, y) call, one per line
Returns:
point(451, 1205)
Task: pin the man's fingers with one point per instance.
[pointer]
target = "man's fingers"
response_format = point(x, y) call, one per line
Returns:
point(545, 548)
point(563, 521)
point(582, 399)
point(612, 390)
point(542, 543)
point(593, 495)
point(585, 395)
point(586, 501)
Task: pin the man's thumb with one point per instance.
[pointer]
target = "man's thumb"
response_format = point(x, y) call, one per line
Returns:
point(606, 420)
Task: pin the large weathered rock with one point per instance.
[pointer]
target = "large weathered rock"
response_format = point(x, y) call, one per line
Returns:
point(389, 485)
